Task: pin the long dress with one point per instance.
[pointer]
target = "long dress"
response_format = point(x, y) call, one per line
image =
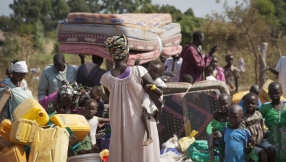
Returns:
point(128, 133)
point(276, 123)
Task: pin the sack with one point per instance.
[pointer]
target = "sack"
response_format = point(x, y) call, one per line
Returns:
point(199, 151)
point(185, 142)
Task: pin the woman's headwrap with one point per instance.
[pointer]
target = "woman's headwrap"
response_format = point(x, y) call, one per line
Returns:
point(117, 46)
point(19, 67)
point(67, 90)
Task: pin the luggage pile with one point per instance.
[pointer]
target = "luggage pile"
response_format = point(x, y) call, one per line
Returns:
point(36, 136)
point(149, 35)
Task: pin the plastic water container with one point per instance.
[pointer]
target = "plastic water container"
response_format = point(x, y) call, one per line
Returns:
point(236, 98)
point(32, 110)
point(77, 123)
point(50, 145)
point(15, 154)
point(94, 157)
point(5, 129)
point(23, 131)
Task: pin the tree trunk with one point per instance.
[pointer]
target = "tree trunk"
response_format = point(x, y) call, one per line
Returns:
point(256, 58)
point(279, 51)
point(262, 62)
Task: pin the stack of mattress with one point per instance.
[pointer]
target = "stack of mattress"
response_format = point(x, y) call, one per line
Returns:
point(149, 35)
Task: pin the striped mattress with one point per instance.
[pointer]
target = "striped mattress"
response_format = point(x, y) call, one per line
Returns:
point(173, 50)
point(110, 30)
point(134, 44)
point(146, 22)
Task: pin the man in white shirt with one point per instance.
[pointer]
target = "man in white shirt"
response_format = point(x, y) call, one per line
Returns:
point(174, 64)
point(280, 70)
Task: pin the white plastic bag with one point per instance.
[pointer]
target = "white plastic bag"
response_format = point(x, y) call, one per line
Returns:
point(171, 143)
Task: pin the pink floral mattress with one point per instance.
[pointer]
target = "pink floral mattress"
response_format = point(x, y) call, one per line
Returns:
point(173, 50)
point(91, 49)
point(134, 44)
point(147, 22)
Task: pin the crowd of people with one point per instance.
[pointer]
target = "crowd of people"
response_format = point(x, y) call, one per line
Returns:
point(244, 132)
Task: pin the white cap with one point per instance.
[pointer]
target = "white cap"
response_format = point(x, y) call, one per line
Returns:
point(19, 67)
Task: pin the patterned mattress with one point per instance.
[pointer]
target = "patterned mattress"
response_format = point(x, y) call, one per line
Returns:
point(199, 107)
point(134, 44)
point(106, 30)
point(210, 84)
point(173, 50)
point(147, 22)
point(169, 30)
point(89, 49)
point(184, 112)
point(176, 87)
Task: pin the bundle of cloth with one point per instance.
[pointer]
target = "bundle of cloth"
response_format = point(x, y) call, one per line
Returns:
point(149, 35)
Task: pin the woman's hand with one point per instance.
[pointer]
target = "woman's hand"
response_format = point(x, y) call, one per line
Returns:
point(148, 87)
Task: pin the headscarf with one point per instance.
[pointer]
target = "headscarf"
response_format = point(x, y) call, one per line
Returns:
point(19, 67)
point(117, 46)
point(67, 90)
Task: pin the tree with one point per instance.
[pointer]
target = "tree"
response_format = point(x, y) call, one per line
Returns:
point(149, 8)
point(6, 23)
point(239, 30)
point(189, 12)
point(189, 25)
point(49, 12)
point(123, 6)
point(176, 13)
point(78, 6)
point(94, 5)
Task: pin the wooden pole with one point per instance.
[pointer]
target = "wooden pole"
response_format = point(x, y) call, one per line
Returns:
point(262, 62)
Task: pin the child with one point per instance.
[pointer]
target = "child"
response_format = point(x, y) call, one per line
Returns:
point(218, 71)
point(254, 89)
point(219, 122)
point(96, 93)
point(187, 78)
point(254, 122)
point(274, 114)
point(231, 74)
point(155, 69)
point(236, 138)
point(90, 111)
point(209, 70)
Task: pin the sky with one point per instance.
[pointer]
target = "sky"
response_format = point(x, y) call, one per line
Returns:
point(201, 8)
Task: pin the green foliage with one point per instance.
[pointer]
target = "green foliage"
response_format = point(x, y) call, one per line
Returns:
point(176, 14)
point(189, 12)
point(265, 7)
point(150, 8)
point(78, 6)
point(123, 6)
point(189, 25)
point(38, 37)
point(49, 12)
point(6, 23)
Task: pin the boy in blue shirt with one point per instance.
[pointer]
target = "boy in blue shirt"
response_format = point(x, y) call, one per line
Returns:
point(236, 138)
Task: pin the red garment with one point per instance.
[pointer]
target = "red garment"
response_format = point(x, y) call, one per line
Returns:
point(193, 63)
